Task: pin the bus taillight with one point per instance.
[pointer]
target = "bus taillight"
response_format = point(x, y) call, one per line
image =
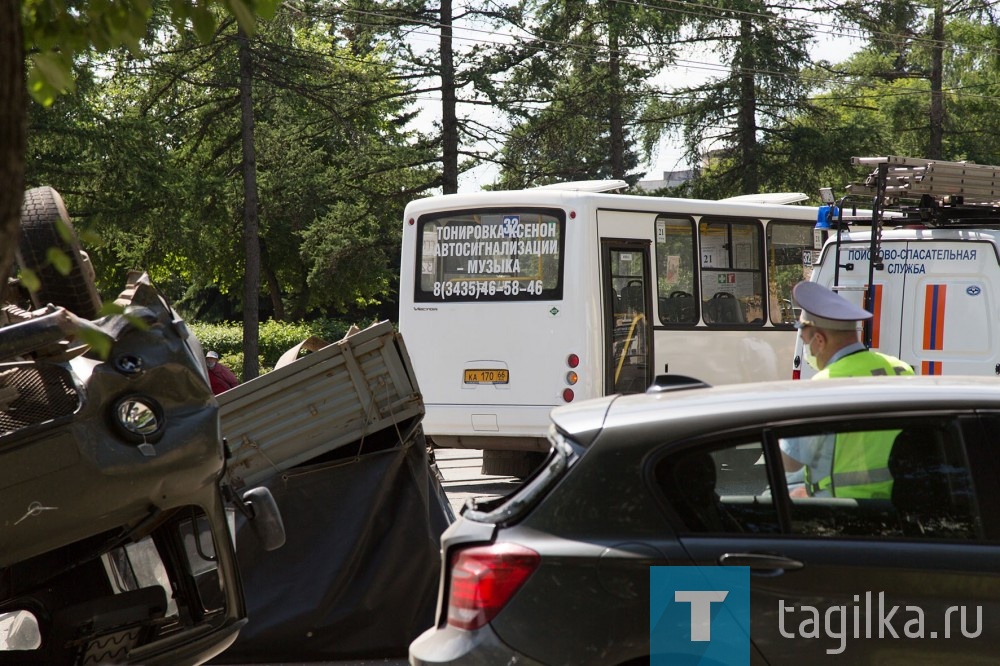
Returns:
point(571, 378)
point(568, 395)
point(573, 360)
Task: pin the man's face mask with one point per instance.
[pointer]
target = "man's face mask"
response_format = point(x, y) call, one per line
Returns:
point(807, 353)
point(809, 357)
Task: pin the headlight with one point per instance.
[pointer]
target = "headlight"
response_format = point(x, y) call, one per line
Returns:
point(140, 418)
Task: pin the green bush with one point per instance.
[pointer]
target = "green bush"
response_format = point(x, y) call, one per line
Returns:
point(276, 338)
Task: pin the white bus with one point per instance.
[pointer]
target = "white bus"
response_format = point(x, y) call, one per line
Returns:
point(512, 303)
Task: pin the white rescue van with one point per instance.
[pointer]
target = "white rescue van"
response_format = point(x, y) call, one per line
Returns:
point(935, 286)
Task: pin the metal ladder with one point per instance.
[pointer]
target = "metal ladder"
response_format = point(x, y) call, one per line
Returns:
point(934, 193)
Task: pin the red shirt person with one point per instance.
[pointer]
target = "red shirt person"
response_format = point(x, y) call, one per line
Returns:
point(221, 377)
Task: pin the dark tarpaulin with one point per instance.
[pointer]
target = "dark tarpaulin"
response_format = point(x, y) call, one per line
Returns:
point(358, 575)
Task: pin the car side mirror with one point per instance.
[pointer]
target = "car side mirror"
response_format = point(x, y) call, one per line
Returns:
point(265, 518)
point(21, 627)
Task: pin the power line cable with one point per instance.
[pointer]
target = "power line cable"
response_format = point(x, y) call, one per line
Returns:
point(635, 57)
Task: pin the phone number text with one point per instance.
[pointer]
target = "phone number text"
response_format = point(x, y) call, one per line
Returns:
point(477, 288)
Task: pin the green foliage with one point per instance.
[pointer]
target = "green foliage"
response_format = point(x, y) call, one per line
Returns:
point(864, 114)
point(573, 90)
point(100, 343)
point(734, 119)
point(147, 151)
point(275, 339)
point(56, 32)
point(30, 280)
point(156, 154)
point(568, 140)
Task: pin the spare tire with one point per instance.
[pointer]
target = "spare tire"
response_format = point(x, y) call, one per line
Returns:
point(42, 211)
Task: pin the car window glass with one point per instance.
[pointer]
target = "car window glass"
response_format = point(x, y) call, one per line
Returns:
point(911, 481)
point(720, 490)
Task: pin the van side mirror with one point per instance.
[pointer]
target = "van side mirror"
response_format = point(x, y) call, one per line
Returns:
point(265, 518)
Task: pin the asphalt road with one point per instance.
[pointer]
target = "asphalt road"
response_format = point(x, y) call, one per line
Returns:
point(462, 479)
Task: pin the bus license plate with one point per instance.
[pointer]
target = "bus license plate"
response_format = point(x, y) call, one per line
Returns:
point(487, 376)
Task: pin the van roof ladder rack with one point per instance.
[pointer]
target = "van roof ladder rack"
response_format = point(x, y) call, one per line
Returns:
point(934, 192)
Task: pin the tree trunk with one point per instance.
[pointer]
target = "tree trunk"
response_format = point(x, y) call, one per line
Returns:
point(13, 134)
point(616, 123)
point(273, 285)
point(747, 117)
point(449, 116)
point(251, 231)
point(935, 147)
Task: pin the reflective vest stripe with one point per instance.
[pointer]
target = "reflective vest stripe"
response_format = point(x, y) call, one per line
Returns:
point(861, 477)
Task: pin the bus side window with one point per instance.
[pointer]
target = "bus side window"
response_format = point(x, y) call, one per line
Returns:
point(731, 275)
point(787, 264)
point(675, 271)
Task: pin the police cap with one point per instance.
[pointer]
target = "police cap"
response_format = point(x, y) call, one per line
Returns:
point(824, 308)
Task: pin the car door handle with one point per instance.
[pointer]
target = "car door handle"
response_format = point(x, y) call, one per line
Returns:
point(761, 564)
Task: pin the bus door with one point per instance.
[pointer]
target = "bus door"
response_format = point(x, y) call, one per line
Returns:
point(628, 335)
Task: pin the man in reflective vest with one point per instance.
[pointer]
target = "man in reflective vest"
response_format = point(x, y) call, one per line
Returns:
point(852, 464)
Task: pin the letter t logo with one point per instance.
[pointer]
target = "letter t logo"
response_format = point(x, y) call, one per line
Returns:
point(701, 610)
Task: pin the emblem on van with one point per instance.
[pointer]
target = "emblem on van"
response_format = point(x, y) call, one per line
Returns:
point(973, 290)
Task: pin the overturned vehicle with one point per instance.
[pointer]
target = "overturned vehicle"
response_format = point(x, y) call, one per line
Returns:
point(116, 542)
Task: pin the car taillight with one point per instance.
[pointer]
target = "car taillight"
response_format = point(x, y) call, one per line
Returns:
point(483, 580)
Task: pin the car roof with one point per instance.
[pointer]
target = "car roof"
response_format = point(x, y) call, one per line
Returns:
point(688, 412)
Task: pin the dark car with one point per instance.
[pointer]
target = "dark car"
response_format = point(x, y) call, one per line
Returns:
point(691, 483)
point(115, 517)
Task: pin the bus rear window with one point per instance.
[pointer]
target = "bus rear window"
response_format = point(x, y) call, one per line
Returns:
point(490, 255)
